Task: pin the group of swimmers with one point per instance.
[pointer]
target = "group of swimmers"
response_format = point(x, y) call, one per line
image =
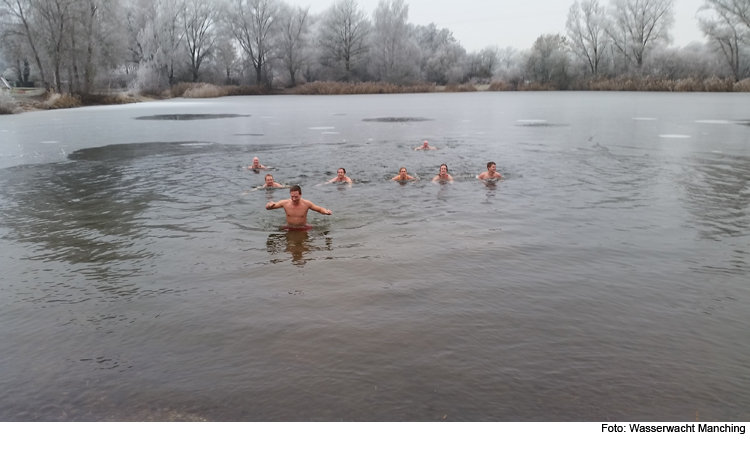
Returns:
point(296, 207)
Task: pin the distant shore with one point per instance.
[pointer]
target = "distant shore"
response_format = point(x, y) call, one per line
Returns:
point(22, 103)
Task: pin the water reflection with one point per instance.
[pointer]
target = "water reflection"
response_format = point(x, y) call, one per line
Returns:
point(299, 244)
point(79, 214)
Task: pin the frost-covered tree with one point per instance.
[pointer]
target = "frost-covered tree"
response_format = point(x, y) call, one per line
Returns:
point(295, 41)
point(199, 19)
point(18, 18)
point(255, 25)
point(342, 37)
point(637, 25)
point(443, 58)
point(484, 63)
point(586, 33)
point(726, 24)
point(548, 61)
point(226, 58)
point(395, 55)
point(55, 18)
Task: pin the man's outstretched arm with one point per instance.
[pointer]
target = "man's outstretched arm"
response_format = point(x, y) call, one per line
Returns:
point(275, 205)
point(318, 209)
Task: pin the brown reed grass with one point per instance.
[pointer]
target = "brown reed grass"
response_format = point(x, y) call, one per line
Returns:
point(207, 90)
point(742, 85)
point(460, 88)
point(61, 101)
point(7, 103)
point(106, 99)
point(339, 88)
point(501, 86)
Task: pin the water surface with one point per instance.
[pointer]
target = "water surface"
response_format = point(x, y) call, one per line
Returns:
point(605, 278)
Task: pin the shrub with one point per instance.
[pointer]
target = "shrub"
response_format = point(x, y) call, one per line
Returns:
point(61, 101)
point(245, 90)
point(460, 88)
point(204, 90)
point(742, 85)
point(7, 103)
point(500, 86)
point(337, 88)
point(104, 99)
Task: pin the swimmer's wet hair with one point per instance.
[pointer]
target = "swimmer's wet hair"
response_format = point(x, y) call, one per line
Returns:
point(490, 164)
point(341, 168)
point(268, 175)
point(446, 166)
point(296, 188)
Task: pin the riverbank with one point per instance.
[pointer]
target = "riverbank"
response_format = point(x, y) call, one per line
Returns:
point(10, 104)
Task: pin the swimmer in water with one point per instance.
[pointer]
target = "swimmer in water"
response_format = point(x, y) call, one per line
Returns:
point(443, 175)
point(341, 177)
point(402, 175)
point(425, 146)
point(256, 165)
point(491, 172)
point(296, 208)
point(270, 183)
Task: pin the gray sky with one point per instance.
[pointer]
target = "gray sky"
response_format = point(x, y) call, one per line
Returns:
point(479, 23)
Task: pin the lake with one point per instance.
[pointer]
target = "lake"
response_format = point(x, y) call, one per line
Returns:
point(605, 278)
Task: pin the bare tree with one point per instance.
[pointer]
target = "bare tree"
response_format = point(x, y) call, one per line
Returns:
point(295, 35)
point(637, 25)
point(343, 32)
point(225, 55)
point(726, 24)
point(170, 33)
point(395, 55)
point(586, 31)
point(55, 20)
point(255, 23)
point(21, 11)
point(199, 19)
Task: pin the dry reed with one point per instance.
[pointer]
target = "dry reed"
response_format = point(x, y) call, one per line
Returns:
point(207, 90)
point(460, 88)
point(61, 101)
point(742, 85)
point(7, 103)
point(338, 88)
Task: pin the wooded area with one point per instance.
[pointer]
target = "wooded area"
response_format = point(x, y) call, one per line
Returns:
point(147, 46)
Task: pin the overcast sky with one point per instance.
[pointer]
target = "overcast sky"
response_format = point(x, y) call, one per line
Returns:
point(516, 23)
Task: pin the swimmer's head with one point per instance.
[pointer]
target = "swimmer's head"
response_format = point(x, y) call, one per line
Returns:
point(256, 161)
point(443, 169)
point(295, 192)
point(490, 164)
point(402, 172)
point(341, 172)
point(269, 179)
point(426, 144)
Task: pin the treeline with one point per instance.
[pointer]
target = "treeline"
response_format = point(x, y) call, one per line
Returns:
point(150, 46)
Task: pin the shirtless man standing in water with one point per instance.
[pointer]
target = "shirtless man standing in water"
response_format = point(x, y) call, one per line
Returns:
point(296, 208)
point(491, 172)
